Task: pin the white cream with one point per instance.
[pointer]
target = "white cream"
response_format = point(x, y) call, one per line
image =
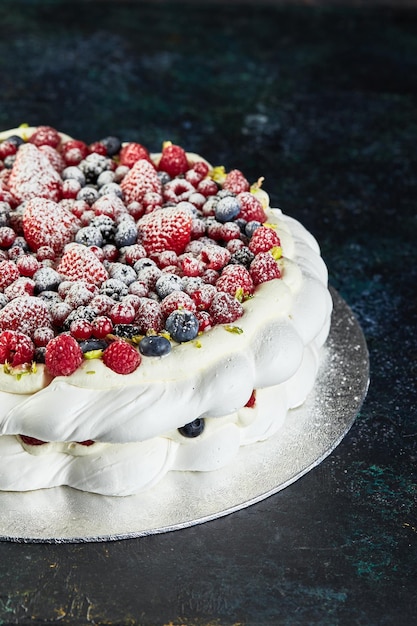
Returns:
point(135, 417)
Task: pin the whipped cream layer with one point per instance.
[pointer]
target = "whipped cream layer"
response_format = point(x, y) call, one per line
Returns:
point(134, 418)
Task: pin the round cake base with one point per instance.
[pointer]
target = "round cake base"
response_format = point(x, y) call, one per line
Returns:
point(181, 499)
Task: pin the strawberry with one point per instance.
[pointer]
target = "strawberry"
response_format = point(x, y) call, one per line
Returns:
point(165, 229)
point(25, 314)
point(236, 182)
point(173, 160)
point(46, 223)
point(63, 355)
point(121, 357)
point(80, 263)
point(132, 152)
point(15, 348)
point(33, 176)
point(140, 180)
point(251, 208)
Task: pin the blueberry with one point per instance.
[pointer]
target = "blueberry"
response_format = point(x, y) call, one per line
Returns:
point(88, 193)
point(105, 178)
point(73, 172)
point(89, 236)
point(39, 356)
point(154, 345)
point(111, 188)
point(143, 263)
point(251, 227)
point(126, 234)
point(164, 177)
point(3, 300)
point(125, 273)
point(15, 140)
point(182, 326)
point(192, 429)
point(227, 209)
point(49, 297)
point(93, 344)
point(46, 279)
point(8, 162)
point(112, 144)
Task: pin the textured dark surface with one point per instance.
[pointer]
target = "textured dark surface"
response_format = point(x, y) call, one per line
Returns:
point(323, 103)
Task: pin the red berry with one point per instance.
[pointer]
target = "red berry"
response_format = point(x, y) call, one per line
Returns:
point(225, 309)
point(207, 187)
point(46, 223)
point(149, 316)
point(15, 348)
point(236, 182)
point(54, 157)
point(45, 136)
point(81, 329)
point(31, 441)
point(178, 190)
point(80, 263)
point(42, 336)
point(98, 147)
point(263, 239)
point(21, 287)
point(74, 151)
point(235, 279)
point(165, 229)
point(121, 357)
point(27, 265)
point(205, 321)
point(63, 355)
point(215, 257)
point(173, 160)
point(122, 313)
point(33, 176)
point(139, 181)
point(177, 300)
point(102, 326)
point(252, 400)
point(7, 148)
point(8, 273)
point(203, 297)
point(133, 152)
point(24, 314)
point(251, 208)
point(264, 268)
point(70, 189)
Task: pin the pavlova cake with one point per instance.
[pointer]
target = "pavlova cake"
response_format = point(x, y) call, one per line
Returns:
point(155, 313)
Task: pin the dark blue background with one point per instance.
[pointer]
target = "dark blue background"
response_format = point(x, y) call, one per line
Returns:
point(323, 103)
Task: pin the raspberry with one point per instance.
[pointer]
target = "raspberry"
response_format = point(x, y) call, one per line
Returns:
point(24, 314)
point(7, 237)
point(225, 309)
point(45, 136)
point(63, 355)
point(7, 148)
point(173, 160)
point(122, 313)
point(149, 316)
point(33, 176)
point(133, 152)
point(165, 229)
point(102, 326)
point(74, 151)
point(251, 209)
point(46, 223)
point(236, 182)
point(207, 187)
point(15, 348)
point(140, 180)
point(81, 329)
point(177, 300)
point(215, 257)
point(110, 205)
point(235, 279)
point(264, 268)
point(80, 263)
point(203, 297)
point(27, 265)
point(205, 321)
point(252, 400)
point(121, 357)
point(178, 190)
point(42, 336)
point(8, 273)
point(263, 239)
point(191, 266)
point(98, 147)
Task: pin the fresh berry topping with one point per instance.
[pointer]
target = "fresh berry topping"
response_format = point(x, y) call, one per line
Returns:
point(46, 223)
point(149, 316)
point(215, 257)
point(154, 345)
point(165, 229)
point(8, 273)
point(74, 151)
point(192, 429)
point(236, 280)
point(80, 263)
point(263, 239)
point(182, 326)
point(264, 268)
point(250, 208)
point(63, 355)
point(227, 209)
point(81, 329)
point(24, 314)
point(102, 326)
point(45, 136)
point(225, 309)
point(236, 182)
point(7, 237)
point(133, 152)
point(177, 300)
point(112, 144)
point(121, 357)
point(140, 180)
point(173, 160)
point(15, 348)
point(33, 176)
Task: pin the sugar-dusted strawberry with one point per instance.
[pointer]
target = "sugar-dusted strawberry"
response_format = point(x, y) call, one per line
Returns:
point(45, 136)
point(54, 157)
point(133, 152)
point(46, 223)
point(33, 176)
point(236, 280)
point(236, 182)
point(63, 355)
point(15, 348)
point(121, 357)
point(264, 268)
point(80, 263)
point(165, 229)
point(8, 273)
point(264, 239)
point(24, 314)
point(140, 180)
point(250, 208)
point(225, 309)
point(173, 160)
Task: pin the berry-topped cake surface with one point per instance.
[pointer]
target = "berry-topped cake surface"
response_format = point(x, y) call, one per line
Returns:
point(156, 314)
